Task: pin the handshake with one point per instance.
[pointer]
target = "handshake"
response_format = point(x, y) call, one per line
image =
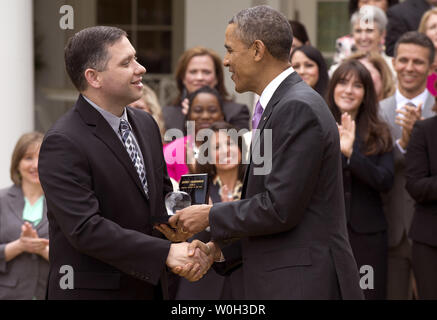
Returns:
point(189, 260)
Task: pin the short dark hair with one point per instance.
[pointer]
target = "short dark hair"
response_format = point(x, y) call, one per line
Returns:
point(88, 49)
point(267, 25)
point(299, 31)
point(204, 89)
point(419, 39)
point(315, 55)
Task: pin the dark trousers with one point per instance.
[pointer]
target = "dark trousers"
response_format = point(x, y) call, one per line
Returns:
point(371, 250)
point(425, 270)
point(400, 271)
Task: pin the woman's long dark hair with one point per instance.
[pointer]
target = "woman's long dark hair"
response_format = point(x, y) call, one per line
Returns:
point(315, 55)
point(210, 168)
point(374, 132)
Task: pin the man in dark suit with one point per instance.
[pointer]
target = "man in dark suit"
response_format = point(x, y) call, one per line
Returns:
point(402, 18)
point(104, 177)
point(421, 177)
point(414, 55)
point(291, 222)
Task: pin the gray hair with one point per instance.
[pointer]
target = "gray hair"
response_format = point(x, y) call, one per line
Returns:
point(370, 14)
point(265, 24)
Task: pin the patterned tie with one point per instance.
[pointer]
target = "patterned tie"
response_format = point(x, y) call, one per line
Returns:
point(257, 115)
point(131, 148)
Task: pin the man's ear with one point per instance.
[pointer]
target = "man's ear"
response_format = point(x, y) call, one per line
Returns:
point(92, 76)
point(259, 50)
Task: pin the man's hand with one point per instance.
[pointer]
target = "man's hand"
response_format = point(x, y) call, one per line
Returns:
point(174, 235)
point(210, 250)
point(406, 118)
point(192, 219)
point(191, 263)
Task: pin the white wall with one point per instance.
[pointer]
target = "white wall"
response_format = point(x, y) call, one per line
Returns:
point(205, 24)
point(16, 82)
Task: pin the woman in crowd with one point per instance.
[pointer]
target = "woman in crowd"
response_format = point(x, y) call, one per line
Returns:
point(300, 34)
point(381, 75)
point(421, 178)
point(205, 108)
point(149, 103)
point(196, 68)
point(24, 245)
point(428, 26)
point(311, 66)
point(345, 45)
point(368, 167)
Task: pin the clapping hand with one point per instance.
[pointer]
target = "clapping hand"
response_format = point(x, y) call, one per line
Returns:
point(406, 118)
point(30, 242)
point(346, 131)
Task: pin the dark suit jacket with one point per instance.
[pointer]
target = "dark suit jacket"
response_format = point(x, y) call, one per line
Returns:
point(25, 276)
point(365, 177)
point(235, 113)
point(402, 18)
point(398, 204)
point(292, 222)
point(100, 218)
point(421, 176)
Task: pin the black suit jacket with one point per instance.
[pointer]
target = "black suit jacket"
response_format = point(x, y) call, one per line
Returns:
point(99, 216)
point(291, 222)
point(235, 113)
point(365, 177)
point(402, 18)
point(421, 177)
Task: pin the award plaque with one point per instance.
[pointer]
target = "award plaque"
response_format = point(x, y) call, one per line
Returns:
point(197, 186)
point(193, 189)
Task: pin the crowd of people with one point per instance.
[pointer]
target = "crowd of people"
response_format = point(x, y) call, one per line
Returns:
point(381, 92)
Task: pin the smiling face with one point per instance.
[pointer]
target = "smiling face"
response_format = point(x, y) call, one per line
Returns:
point(306, 68)
point(412, 67)
point(367, 37)
point(205, 110)
point(28, 165)
point(431, 29)
point(239, 61)
point(226, 153)
point(120, 82)
point(349, 94)
point(200, 72)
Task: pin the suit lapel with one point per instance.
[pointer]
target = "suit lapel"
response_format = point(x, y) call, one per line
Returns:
point(106, 134)
point(288, 82)
point(15, 202)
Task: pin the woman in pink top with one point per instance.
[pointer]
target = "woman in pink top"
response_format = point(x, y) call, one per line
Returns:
point(205, 108)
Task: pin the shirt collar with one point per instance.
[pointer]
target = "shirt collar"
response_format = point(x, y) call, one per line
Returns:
point(401, 101)
point(268, 91)
point(112, 119)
